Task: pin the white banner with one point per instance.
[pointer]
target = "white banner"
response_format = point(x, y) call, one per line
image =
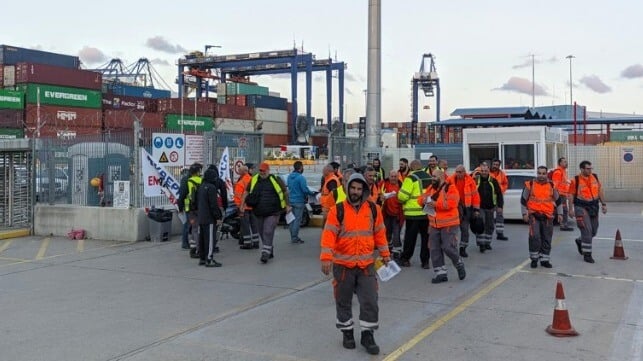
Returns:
point(157, 180)
point(224, 172)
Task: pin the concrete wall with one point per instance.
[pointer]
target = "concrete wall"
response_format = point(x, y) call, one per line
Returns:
point(102, 223)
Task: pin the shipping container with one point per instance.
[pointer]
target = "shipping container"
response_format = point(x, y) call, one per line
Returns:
point(1, 75)
point(221, 90)
point(235, 125)
point(124, 119)
point(271, 115)
point(11, 118)
point(61, 116)
point(138, 91)
point(236, 100)
point(274, 140)
point(204, 106)
point(111, 101)
point(11, 133)
point(10, 99)
point(245, 89)
point(56, 75)
point(11, 55)
point(234, 111)
point(49, 131)
point(221, 99)
point(272, 127)
point(266, 101)
point(58, 95)
point(9, 75)
point(274, 94)
point(188, 123)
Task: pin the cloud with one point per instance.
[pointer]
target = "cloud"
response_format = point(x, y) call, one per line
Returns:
point(633, 71)
point(527, 62)
point(161, 44)
point(159, 61)
point(596, 84)
point(522, 85)
point(90, 55)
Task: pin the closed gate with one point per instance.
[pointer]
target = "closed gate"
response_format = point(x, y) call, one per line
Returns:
point(15, 188)
point(248, 146)
point(346, 151)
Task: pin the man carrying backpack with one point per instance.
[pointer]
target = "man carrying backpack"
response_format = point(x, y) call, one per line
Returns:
point(561, 182)
point(586, 191)
point(212, 198)
point(538, 200)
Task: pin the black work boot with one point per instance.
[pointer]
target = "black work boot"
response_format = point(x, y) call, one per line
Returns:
point(546, 264)
point(369, 343)
point(461, 272)
point(349, 339)
point(463, 252)
point(501, 237)
point(587, 257)
point(579, 246)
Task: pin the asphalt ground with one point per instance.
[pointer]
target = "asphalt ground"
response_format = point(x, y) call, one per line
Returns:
point(66, 299)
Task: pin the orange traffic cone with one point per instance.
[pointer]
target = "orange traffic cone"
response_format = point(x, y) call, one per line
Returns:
point(619, 251)
point(561, 326)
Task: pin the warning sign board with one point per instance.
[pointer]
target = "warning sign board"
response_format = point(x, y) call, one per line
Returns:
point(168, 148)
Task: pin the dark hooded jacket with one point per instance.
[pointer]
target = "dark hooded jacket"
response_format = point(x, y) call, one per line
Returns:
point(212, 197)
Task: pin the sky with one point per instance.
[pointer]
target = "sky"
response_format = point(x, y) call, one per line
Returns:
point(483, 50)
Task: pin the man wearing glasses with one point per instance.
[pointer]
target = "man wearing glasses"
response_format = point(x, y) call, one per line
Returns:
point(586, 192)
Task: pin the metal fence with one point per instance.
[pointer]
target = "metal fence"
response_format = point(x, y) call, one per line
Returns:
point(346, 151)
point(15, 188)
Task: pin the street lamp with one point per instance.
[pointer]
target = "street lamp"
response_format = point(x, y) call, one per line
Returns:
point(571, 97)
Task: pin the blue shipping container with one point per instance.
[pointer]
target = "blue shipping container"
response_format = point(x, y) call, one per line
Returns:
point(11, 55)
point(266, 101)
point(141, 92)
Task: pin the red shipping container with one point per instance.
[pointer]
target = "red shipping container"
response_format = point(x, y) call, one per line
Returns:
point(111, 101)
point(56, 75)
point(11, 118)
point(60, 116)
point(153, 121)
point(204, 106)
point(1, 75)
point(274, 140)
point(48, 131)
point(124, 119)
point(234, 112)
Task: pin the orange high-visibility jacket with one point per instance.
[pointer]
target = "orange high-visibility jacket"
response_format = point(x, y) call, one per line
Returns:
point(561, 182)
point(501, 177)
point(351, 243)
point(239, 188)
point(327, 201)
point(470, 196)
point(446, 206)
point(588, 188)
point(541, 198)
point(375, 193)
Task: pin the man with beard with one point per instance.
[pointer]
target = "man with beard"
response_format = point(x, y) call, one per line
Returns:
point(469, 203)
point(443, 225)
point(404, 169)
point(380, 174)
point(392, 212)
point(491, 201)
point(432, 165)
point(354, 228)
point(561, 182)
point(538, 200)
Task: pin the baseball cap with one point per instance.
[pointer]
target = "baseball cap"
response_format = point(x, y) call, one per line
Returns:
point(264, 166)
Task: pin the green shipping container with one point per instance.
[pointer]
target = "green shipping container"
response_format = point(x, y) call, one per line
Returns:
point(10, 133)
point(189, 123)
point(10, 99)
point(245, 89)
point(626, 136)
point(65, 96)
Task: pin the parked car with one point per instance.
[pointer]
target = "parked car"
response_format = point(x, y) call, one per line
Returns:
point(512, 208)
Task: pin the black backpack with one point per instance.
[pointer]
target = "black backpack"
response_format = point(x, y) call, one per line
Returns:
point(340, 212)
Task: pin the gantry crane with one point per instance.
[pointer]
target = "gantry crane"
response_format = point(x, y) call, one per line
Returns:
point(426, 80)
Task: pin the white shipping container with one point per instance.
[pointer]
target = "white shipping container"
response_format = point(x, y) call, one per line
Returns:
point(237, 125)
point(274, 94)
point(9, 75)
point(221, 90)
point(274, 115)
point(270, 127)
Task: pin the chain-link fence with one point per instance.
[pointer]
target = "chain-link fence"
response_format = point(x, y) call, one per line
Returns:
point(346, 151)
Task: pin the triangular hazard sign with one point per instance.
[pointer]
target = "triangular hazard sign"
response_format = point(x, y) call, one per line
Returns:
point(163, 158)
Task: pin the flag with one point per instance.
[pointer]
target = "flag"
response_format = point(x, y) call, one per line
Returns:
point(224, 172)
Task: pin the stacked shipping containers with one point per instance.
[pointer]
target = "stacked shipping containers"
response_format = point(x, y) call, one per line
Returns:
point(12, 106)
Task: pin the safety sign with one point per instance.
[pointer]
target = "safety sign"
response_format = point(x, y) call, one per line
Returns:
point(168, 148)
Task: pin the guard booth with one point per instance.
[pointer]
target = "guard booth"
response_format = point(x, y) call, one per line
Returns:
point(15, 184)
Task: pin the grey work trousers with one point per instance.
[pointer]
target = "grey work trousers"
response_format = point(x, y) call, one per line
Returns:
point(588, 227)
point(362, 282)
point(444, 241)
point(541, 230)
point(266, 226)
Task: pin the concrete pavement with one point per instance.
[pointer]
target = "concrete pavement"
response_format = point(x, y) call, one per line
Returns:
point(149, 301)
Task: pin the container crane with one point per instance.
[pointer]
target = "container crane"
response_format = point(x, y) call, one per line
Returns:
point(427, 80)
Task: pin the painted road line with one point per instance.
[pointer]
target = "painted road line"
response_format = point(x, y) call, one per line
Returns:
point(454, 312)
point(627, 342)
point(560, 274)
point(43, 248)
point(80, 246)
point(5, 245)
point(623, 239)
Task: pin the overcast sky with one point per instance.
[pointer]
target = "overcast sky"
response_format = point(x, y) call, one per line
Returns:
point(483, 49)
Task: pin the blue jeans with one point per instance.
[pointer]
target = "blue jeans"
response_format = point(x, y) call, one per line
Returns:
point(298, 211)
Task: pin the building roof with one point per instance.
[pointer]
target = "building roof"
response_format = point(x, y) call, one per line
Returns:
point(498, 112)
point(489, 122)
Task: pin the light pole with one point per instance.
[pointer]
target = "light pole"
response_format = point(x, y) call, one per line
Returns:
point(571, 97)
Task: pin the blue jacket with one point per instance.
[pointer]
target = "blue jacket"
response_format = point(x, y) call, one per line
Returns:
point(298, 190)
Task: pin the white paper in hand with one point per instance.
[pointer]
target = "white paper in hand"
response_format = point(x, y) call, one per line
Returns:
point(290, 217)
point(309, 208)
point(429, 208)
point(389, 271)
point(389, 195)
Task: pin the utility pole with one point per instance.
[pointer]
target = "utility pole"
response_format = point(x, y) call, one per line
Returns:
point(571, 85)
point(533, 82)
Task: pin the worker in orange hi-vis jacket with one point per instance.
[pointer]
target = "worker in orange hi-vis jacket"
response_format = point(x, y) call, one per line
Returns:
point(444, 221)
point(468, 206)
point(500, 176)
point(561, 182)
point(354, 228)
